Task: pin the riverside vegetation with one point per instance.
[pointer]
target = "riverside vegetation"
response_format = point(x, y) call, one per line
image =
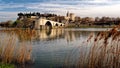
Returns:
point(27, 20)
point(102, 50)
point(14, 51)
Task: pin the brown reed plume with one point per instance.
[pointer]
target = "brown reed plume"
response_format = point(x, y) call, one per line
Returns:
point(14, 51)
point(102, 50)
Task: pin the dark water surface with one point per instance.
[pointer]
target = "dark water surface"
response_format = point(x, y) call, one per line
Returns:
point(58, 48)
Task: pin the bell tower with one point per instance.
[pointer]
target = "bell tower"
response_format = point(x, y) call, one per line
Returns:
point(68, 14)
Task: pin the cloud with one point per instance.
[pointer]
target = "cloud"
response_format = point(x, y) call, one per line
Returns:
point(79, 7)
point(9, 6)
point(57, 4)
point(4, 16)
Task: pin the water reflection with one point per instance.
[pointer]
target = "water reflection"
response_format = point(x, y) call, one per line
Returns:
point(71, 35)
point(68, 35)
point(49, 34)
point(53, 48)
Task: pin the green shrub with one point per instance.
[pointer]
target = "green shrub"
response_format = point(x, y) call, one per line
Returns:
point(6, 65)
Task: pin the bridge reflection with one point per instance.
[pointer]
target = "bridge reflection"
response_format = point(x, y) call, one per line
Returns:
point(49, 34)
point(53, 34)
point(46, 35)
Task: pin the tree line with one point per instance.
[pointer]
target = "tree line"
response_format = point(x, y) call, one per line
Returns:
point(26, 22)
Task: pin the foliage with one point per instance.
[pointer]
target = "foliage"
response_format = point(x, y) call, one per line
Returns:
point(6, 65)
point(6, 24)
point(16, 23)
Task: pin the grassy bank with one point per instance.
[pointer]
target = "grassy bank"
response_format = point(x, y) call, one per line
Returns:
point(6, 65)
point(89, 26)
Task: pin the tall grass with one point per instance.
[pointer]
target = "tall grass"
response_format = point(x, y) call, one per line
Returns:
point(6, 65)
point(22, 34)
point(14, 51)
point(102, 50)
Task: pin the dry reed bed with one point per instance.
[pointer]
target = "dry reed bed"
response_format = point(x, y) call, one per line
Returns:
point(12, 50)
point(102, 50)
point(22, 34)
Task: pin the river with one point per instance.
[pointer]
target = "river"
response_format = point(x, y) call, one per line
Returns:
point(58, 48)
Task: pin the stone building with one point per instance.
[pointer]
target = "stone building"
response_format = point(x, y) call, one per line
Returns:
point(71, 16)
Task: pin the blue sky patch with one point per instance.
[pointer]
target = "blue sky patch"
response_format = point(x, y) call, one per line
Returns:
point(81, 8)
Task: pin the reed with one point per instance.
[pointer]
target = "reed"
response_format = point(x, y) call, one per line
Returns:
point(102, 50)
point(12, 50)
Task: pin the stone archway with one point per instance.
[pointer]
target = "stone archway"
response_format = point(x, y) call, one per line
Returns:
point(56, 24)
point(32, 26)
point(48, 25)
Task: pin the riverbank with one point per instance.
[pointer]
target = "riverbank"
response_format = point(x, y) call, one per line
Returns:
point(6, 65)
point(66, 26)
point(89, 26)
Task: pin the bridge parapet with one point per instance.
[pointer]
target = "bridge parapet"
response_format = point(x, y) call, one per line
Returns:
point(43, 23)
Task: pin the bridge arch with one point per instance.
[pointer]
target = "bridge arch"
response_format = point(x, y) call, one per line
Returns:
point(42, 23)
point(48, 24)
point(56, 24)
point(32, 26)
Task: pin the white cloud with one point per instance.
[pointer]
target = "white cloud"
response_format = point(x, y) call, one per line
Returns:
point(8, 16)
point(82, 8)
point(9, 6)
point(92, 9)
point(100, 1)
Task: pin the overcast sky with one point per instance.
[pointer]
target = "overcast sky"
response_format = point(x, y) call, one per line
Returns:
point(82, 8)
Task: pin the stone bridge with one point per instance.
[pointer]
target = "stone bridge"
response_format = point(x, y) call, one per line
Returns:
point(43, 23)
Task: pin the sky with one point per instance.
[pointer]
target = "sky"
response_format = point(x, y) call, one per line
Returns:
point(82, 8)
